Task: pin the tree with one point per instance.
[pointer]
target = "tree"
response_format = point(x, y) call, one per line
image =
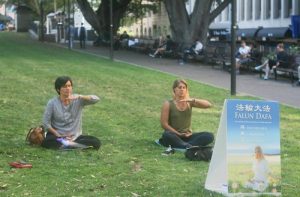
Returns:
point(99, 19)
point(187, 28)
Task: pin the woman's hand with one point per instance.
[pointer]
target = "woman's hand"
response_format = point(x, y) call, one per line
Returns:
point(187, 100)
point(67, 137)
point(200, 103)
point(73, 97)
point(186, 134)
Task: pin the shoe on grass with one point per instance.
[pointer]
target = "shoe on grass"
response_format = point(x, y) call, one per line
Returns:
point(168, 151)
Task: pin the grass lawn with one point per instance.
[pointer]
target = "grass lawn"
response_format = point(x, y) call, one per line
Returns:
point(126, 120)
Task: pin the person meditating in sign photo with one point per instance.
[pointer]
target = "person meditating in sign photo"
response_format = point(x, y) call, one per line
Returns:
point(176, 115)
point(260, 169)
point(63, 118)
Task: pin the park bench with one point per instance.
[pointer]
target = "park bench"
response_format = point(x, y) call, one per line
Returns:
point(225, 57)
point(254, 61)
point(291, 71)
point(192, 57)
point(210, 54)
point(221, 56)
point(142, 46)
point(173, 52)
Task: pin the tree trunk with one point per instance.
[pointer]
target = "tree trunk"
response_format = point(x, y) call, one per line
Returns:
point(100, 20)
point(187, 28)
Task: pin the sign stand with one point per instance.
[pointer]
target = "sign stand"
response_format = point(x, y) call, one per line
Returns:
point(246, 155)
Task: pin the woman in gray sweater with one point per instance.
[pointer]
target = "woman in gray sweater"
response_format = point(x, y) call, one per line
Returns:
point(62, 118)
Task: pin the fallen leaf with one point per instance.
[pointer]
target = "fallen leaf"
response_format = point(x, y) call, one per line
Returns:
point(134, 194)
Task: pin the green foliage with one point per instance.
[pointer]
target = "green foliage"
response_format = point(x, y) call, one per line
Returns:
point(34, 5)
point(294, 50)
point(271, 55)
point(138, 9)
point(126, 120)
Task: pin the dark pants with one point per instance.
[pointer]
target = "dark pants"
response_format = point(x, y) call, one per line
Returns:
point(189, 52)
point(52, 143)
point(82, 43)
point(186, 53)
point(196, 139)
point(273, 63)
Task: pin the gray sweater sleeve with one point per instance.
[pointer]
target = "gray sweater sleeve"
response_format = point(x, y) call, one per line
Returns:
point(94, 99)
point(47, 114)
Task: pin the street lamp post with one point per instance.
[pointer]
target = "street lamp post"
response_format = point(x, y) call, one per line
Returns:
point(111, 31)
point(41, 35)
point(69, 25)
point(233, 46)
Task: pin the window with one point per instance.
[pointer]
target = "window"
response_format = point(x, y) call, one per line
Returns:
point(288, 8)
point(277, 8)
point(257, 9)
point(249, 9)
point(268, 9)
point(227, 13)
point(296, 7)
point(242, 10)
point(149, 32)
point(155, 33)
point(165, 30)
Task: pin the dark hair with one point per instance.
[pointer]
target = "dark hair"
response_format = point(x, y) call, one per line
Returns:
point(61, 81)
point(280, 45)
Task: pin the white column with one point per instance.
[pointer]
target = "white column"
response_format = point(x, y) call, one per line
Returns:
point(254, 10)
point(238, 15)
point(246, 10)
point(296, 7)
point(241, 10)
point(273, 9)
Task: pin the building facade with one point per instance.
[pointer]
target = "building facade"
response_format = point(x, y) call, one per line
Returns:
point(254, 17)
point(262, 19)
point(261, 13)
point(151, 26)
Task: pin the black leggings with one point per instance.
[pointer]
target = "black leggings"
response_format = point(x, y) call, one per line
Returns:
point(52, 143)
point(196, 139)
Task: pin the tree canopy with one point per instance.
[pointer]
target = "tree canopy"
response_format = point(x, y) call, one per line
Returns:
point(34, 5)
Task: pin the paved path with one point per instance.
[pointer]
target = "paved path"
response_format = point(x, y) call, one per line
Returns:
point(247, 84)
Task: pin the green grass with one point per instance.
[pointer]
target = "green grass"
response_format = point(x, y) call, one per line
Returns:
point(126, 120)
